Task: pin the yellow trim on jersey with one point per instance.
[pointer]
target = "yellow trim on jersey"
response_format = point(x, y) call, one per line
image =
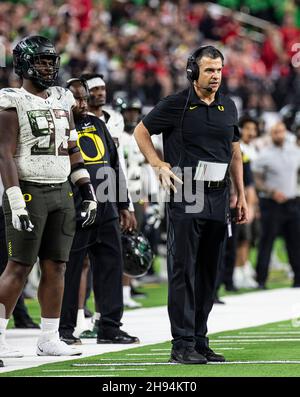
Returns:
point(88, 129)
point(96, 162)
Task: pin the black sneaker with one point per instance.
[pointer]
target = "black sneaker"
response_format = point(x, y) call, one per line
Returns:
point(218, 301)
point(1, 364)
point(26, 322)
point(262, 286)
point(187, 355)
point(115, 335)
point(231, 288)
point(137, 294)
point(70, 339)
point(211, 356)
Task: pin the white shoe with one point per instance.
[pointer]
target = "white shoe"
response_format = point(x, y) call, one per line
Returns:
point(7, 351)
point(249, 270)
point(55, 347)
point(132, 304)
point(249, 282)
point(238, 277)
point(83, 328)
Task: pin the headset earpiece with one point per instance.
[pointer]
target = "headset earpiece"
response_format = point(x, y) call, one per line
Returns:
point(192, 67)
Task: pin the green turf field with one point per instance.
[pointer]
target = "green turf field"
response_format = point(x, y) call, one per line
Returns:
point(271, 350)
point(156, 294)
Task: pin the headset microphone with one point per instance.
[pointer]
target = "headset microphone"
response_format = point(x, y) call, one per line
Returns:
point(208, 88)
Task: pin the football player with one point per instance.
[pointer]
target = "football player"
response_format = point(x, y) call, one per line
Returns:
point(38, 152)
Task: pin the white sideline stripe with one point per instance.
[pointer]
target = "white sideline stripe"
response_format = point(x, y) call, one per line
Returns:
point(258, 362)
point(85, 376)
point(219, 348)
point(148, 354)
point(158, 350)
point(270, 333)
point(71, 376)
point(118, 359)
point(210, 363)
point(254, 336)
point(89, 370)
point(230, 348)
point(118, 364)
point(257, 340)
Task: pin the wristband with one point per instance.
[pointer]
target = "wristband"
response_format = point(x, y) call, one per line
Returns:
point(79, 174)
point(87, 192)
point(15, 198)
point(73, 150)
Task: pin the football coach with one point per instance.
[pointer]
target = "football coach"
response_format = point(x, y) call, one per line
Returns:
point(200, 134)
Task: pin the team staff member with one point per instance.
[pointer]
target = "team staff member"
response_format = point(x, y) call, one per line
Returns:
point(199, 125)
point(276, 170)
point(103, 242)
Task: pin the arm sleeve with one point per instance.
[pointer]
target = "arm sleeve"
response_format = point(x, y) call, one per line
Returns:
point(161, 117)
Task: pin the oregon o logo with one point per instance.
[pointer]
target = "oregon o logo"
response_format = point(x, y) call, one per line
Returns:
point(99, 146)
point(221, 108)
point(27, 197)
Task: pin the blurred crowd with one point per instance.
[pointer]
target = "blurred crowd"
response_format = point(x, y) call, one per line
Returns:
point(141, 46)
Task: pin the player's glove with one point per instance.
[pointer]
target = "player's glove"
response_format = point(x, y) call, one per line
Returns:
point(20, 216)
point(89, 204)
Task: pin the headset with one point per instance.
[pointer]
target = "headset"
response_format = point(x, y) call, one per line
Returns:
point(192, 67)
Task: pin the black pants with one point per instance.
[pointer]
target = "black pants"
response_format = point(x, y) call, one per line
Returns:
point(195, 248)
point(105, 253)
point(279, 219)
point(20, 311)
point(225, 274)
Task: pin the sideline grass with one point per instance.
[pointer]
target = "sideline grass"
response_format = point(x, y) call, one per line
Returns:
point(248, 344)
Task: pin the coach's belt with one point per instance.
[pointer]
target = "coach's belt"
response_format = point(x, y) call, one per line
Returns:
point(215, 184)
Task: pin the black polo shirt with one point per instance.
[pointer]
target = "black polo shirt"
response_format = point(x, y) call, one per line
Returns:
point(192, 131)
point(207, 130)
